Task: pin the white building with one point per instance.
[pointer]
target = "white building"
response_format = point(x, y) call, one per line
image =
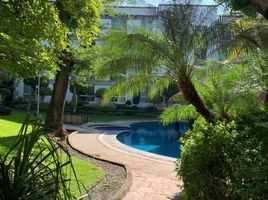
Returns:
point(133, 16)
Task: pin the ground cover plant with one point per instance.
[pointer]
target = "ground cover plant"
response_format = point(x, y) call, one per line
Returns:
point(87, 174)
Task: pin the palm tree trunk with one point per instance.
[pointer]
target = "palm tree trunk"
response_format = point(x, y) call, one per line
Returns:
point(193, 97)
point(261, 6)
point(266, 99)
point(54, 116)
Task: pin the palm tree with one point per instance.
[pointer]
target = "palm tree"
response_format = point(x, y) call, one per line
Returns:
point(248, 43)
point(225, 89)
point(136, 59)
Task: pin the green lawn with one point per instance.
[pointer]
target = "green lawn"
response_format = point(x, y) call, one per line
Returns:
point(87, 173)
point(10, 124)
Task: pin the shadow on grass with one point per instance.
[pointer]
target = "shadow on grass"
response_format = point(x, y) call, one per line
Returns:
point(19, 116)
point(14, 116)
point(6, 143)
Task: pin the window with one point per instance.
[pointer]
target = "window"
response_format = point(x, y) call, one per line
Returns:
point(28, 92)
point(143, 97)
point(27, 89)
point(119, 24)
point(105, 25)
point(221, 57)
point(147, 25)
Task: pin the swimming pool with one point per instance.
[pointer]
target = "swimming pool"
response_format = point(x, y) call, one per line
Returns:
point(153, 137)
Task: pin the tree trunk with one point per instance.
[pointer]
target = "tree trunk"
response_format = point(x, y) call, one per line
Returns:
point(266, 99)
point(54, 116)
point(261, 6)
point(192, 96)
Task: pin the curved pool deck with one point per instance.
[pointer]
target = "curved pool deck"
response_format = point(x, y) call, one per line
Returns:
point(153, 177)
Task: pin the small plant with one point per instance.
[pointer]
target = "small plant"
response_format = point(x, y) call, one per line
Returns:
point(136, 99)
point(4, 93)
point(158, 99)
point(128, 103)
point(19, 100)
point(100, 93)
point(45, 91)
point(35, 168)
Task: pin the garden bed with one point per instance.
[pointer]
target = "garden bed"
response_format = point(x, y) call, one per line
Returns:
point(115, 176)
point(75, 118)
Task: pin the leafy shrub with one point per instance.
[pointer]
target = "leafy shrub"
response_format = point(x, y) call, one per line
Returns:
point(45, 91)
point(42, 106)
point(121, 107)
point(5, 110)
point(98, 107)
point(9, 85)
point(23, 106)
point(4, 92)
point(128, 103)
point(223, 161)
point(34, 168)
point(19, 100)
point(82, 89)
point(156, 100)
point(136, 99)
point(100, 92)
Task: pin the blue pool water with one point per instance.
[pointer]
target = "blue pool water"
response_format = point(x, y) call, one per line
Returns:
point(154, 137)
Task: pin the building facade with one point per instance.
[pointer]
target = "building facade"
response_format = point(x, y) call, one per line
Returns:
point(129, 18)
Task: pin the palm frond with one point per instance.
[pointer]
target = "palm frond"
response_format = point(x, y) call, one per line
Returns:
point(135, 84)
point(178, 112)
point(34, 168)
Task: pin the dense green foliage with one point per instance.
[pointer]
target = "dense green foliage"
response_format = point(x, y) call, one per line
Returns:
point(87, 173)
point(7, 83)
point(82, 89)
point(249, 7)
point(136, 99)
point(238, 5)
point(48, 36)
point(45, 91)
point(33, 33)
point(226, 160)
point(24, 26)
point(158, 99)
point(4, 92)
point(37, 170)
point(100, 93)
point(136, 57)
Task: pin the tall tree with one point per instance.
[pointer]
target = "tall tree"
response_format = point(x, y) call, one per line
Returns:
point(136, 57)
point(248, 6)
point(44, 35)
point(247, 42)
point(31, 36)
point(81, 19)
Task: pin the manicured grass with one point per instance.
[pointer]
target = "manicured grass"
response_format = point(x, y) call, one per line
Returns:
point(11, 124)
point(87, 173)
point(109, 118)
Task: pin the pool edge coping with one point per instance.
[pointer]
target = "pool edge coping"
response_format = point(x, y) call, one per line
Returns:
point(132, 151)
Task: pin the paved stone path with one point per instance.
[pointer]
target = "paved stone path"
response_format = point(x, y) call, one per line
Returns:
point(150, 180)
